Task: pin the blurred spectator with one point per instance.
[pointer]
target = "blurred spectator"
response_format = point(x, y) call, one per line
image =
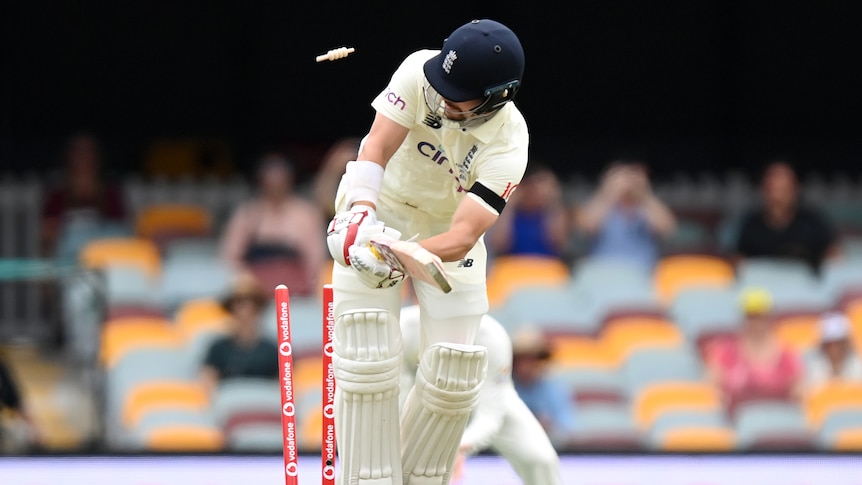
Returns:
point(535, 220)
point(18, 433)
point(243, 352)
point(755, 364)
point(625, 219)
point(531, 354)
point(783, 226)
point(82, 202)
point(836, 359)
point(332, 167)
point(277, 225)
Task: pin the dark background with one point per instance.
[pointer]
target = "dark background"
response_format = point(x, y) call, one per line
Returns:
point(688, 85)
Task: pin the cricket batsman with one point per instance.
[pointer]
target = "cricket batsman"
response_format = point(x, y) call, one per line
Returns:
point(501, 420)
point(445, 151)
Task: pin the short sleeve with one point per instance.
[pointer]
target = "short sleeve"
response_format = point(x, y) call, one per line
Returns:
point(215, 355)
point(502, 166)
point(402, 98)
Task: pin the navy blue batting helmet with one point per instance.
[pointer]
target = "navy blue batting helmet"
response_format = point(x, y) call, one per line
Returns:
point(482, 59)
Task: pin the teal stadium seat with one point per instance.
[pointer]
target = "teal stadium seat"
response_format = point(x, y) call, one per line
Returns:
point(602, 427)
point(776, 425)
point(649, 366)
point(243, 396)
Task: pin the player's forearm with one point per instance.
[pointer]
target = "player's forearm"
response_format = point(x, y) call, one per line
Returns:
point(452, 245)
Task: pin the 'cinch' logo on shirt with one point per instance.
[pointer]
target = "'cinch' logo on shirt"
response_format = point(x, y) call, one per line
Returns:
point(395, 100)
point(449, 60)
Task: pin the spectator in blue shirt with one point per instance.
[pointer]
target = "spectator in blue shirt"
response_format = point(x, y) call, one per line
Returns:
point(624, 219)
point(547, 399)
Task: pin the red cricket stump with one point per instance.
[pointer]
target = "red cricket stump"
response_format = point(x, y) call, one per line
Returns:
point(288, 407)
point(328, 450)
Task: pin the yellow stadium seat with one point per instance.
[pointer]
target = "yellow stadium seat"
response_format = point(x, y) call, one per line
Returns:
point(123, 335)
point(308, 374)
point(185, 438)
point(326, 273)
point(654, 400)
point(697, 439)
point(162, 395)
point(848, 440)
point(310, 431)
point(799, 332)
point(854, 313)
point(136, 252)
point(202, 314)
point(676, 272)
point(832, 396)
point(579, 351)
point(509, 273)
point(625, 335)
point(160, 220)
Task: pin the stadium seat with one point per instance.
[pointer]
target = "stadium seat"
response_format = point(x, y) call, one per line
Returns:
point(129, 286)
point(604, 305)
point(126, 334)
point(655, 400)
point(254, 432)
point(306, 324)
point(191, 278)
point(624, 335)
point(801, 333)
point(201, 315)
point(796, 299)
point(705, 313)
point(135, 252)
point(510, 272)
point(190, 248)
point(164, 222)
point(580, 351)
point(697, 439)
point(551, 309)
point(842, 279)
point(771, 273)
point(245, 395)
point(184, 438)
point(156, 395)
point(647, 367)
point(591, 384)
point(780, 425)
point(836, 422)
point(607, 426)
point(848, 440)
point(830, 398)
point(675, 419)
point(675, 273)
point(596, 274)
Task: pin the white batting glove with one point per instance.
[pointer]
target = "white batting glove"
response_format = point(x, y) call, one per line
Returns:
point(344, 229)
point(373, 271)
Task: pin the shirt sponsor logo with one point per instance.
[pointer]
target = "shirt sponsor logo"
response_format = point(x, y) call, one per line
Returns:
point(395, 100)
point(431, 151)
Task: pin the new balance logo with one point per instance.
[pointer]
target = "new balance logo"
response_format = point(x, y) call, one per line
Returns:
point(465, 263)
point(449, 60)
point(432, 121)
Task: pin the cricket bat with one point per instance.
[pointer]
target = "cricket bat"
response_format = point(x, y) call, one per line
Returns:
point(413, 260)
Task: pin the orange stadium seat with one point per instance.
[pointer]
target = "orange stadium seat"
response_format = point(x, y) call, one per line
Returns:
point(122, 335)
point(698, 439)
point(160, 395)
point(677, 272)
point(582, 351)
point(624, 335)
point(185, 438)
point(830, 397)
point(136, 252)
point(662, 397)
point(508, 273)
point(848, 440)
point(799, 332)
point(201, 314)
point(162, 222)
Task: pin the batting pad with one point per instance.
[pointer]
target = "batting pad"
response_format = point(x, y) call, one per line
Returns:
point(367, 364)
point(437, 409)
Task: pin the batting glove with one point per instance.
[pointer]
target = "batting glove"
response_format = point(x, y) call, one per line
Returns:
point(372, 270)
point(344, 229)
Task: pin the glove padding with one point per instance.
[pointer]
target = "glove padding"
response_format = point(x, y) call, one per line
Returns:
point(344, 231)
point(373, 271)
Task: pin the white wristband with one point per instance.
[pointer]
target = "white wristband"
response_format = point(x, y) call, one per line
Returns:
point(364, 180)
